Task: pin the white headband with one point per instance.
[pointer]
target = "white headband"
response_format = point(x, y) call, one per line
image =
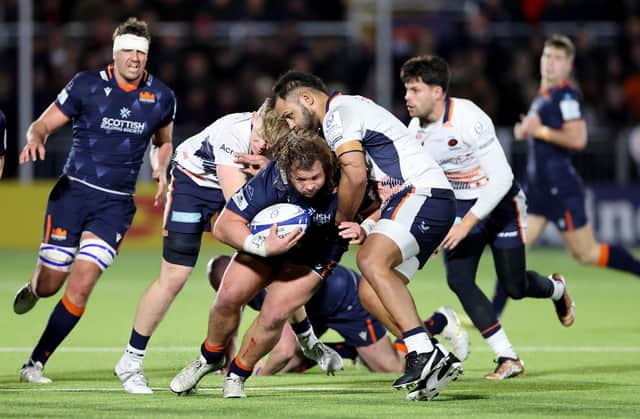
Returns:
point(130, 41)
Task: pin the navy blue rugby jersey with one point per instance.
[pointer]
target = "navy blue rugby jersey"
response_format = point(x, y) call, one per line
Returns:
point(112, 127)
point(554, 106)
point(270, 187)
point(3, 134)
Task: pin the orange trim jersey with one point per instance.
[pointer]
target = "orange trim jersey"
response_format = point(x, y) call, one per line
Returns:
point(465, 145)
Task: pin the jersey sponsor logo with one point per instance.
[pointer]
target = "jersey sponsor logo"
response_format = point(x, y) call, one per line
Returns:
point(508, 234)
point(226, 149)
point(59, 234)
point(240, 200)
point(185, 217)
point(114, 124)
point(107, 91)
point(147, 97)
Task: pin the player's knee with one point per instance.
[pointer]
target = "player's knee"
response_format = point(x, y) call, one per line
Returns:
point(215, 270)
point(181, 248)
point(96, 251)
point(273, 317)
point(458, 282)
point(514, 291)
point(48, 282)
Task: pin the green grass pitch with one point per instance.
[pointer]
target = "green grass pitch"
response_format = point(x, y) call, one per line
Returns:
point(589, 370)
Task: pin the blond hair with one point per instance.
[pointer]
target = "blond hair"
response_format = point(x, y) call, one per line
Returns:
point(562, 42)
point(270, 127)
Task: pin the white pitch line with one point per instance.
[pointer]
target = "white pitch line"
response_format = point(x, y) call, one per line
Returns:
point(382, 389)
point(195, 349)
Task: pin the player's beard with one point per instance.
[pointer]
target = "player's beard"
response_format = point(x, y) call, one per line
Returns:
point(310, 121)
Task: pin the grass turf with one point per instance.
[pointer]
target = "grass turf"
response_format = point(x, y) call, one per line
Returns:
point(589, 370)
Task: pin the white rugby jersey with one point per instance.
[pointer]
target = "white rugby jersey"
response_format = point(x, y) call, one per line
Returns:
point(465, 145)
point(394, 159)
point(215, 145)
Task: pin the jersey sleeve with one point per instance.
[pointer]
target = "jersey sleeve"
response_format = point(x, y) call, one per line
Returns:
point(570, 105)
point(257, 194)
point(3, 134)
point(493, 162)
point(170, 109)
point(340, 126)
point(69, 99)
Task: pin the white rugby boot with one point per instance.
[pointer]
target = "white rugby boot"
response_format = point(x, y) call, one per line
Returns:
point(34, 373)
point(131, 374)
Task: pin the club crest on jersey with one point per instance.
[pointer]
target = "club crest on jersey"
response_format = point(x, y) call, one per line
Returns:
point(59, 234)
point(452, 142)
point(147, 97)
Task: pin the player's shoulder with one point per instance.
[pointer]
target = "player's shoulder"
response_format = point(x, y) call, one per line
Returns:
point(157, 86)
point(565, 90)
point(466, 112)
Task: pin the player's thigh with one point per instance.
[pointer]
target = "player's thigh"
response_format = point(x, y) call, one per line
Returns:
point(286, 296)
point(245, 276)
point(535, 227)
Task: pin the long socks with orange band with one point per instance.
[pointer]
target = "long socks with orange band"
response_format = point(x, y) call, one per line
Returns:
point(617, 257)
point(63, 319)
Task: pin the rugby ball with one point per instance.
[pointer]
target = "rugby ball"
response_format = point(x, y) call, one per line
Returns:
point(288, 217)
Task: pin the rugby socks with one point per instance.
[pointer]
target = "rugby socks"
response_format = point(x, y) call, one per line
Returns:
point(499, 300)
point(417, 340)
point(617, 257)
point(211, 354)
point(498, 341)
point(539, 286)
point(436, 323)
point(238, 369)
point(558, 289)
point(137, 345)
point(63, 319)
point(304, 333)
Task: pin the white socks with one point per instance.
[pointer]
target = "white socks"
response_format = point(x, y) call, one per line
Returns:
point(501, 345)
point(419, 342)
point(558, 289)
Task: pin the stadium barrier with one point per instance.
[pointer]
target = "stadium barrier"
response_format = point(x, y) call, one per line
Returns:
point(614, 211)
point(22, 210)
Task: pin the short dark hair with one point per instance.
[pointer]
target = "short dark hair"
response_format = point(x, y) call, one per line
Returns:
point(134, 27)
point(430, 69)
point(561, 42)
point(301, 149)
point(292, 80)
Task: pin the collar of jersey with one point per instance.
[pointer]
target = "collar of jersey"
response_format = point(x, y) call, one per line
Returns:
point(111, 76)
point(547, 90)
point(331, 97)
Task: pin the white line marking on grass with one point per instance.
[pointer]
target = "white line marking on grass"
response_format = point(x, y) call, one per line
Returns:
point(308, 389)
point(98, 349)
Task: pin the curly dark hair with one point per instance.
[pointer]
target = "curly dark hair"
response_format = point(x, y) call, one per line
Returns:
point(301, 149)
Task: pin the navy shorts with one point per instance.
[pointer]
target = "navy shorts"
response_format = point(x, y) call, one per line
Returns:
point(562, 203)
point(74, 208)
point(190, 207)
point(419, 219)
point(505, 226)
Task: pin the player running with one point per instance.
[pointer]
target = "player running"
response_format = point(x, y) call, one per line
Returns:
point(115, 112)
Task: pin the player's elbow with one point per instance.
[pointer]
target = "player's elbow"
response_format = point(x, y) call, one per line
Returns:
point(580, 142)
